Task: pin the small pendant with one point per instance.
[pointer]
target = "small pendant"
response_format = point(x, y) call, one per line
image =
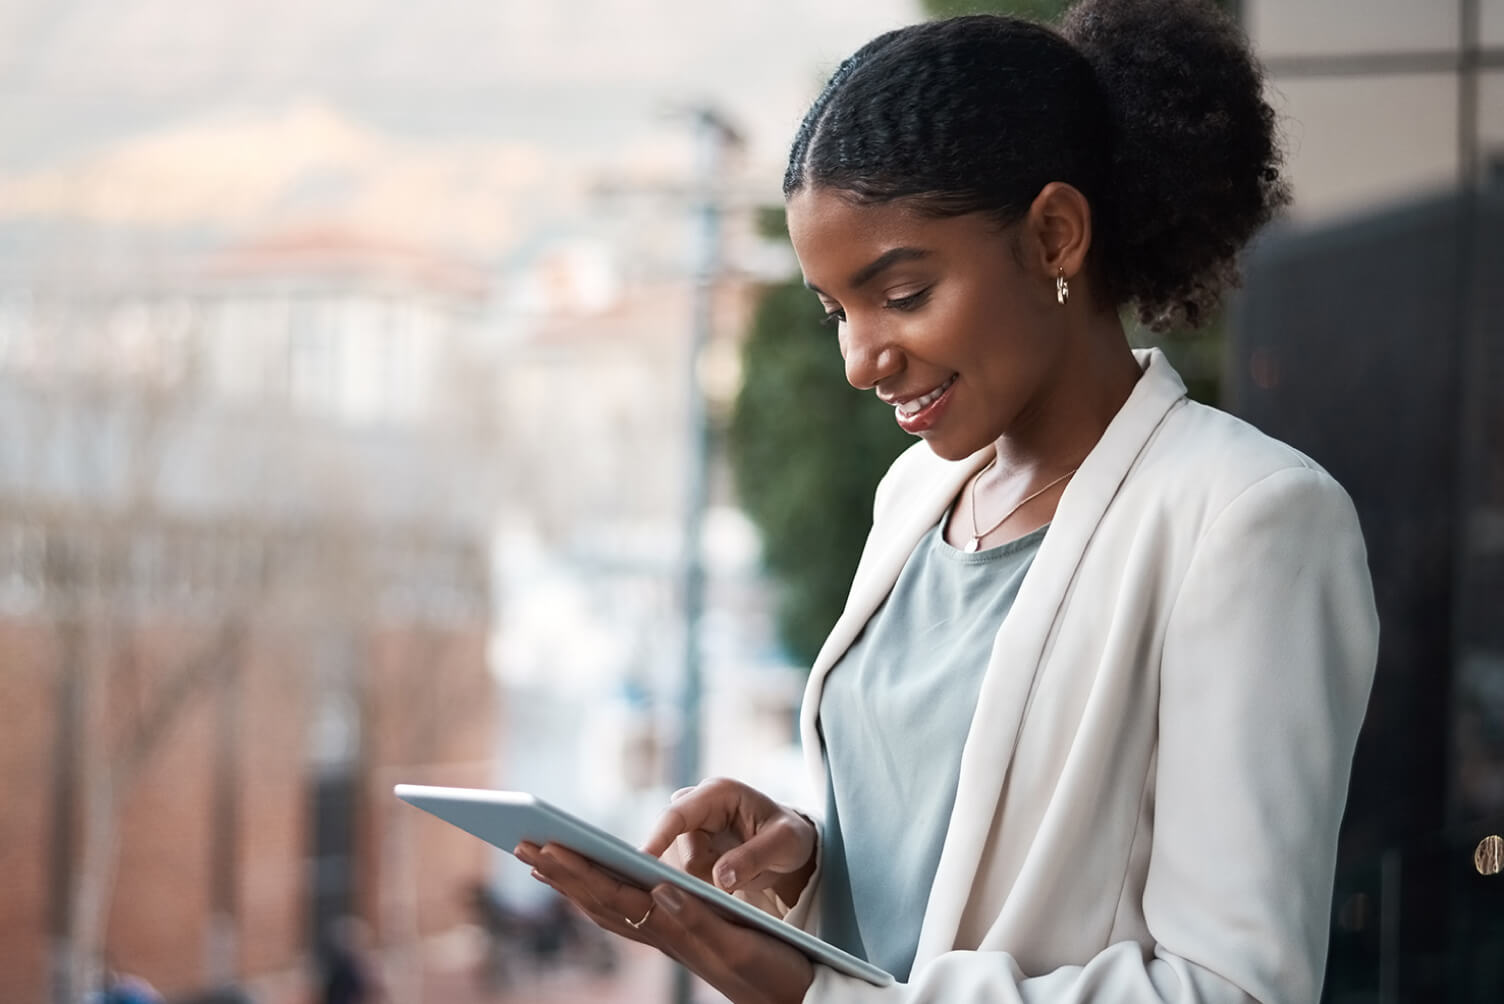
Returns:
point(972, 545)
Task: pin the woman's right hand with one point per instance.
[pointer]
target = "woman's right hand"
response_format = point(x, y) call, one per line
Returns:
point(737, 838)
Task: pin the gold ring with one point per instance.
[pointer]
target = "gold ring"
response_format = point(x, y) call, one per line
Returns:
point(637, 924)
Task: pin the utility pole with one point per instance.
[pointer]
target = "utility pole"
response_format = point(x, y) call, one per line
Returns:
point(712, 138)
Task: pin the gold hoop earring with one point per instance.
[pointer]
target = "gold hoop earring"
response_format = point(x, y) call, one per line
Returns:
point(1062, 288)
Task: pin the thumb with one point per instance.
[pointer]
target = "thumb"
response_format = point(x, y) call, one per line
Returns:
point(765, 858)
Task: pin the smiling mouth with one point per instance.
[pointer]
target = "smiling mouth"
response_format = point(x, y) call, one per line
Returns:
point(910, 408)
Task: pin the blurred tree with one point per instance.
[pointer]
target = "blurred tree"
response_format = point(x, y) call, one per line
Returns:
point(807, 451)
point(1196, 353)
point(1039, 10)
point(119, 699)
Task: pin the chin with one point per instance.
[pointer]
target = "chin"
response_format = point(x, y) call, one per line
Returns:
point(949, 449)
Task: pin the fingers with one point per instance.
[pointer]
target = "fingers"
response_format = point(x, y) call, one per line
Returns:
point(609, 902)
point(697, 853)
point(735, 837)
point(741, 963)
point(710, 806)
point(685, 921)
point(684, 814)
point(780, 848)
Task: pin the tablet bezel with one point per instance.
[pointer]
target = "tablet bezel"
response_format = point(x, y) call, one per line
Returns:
point(505, 819)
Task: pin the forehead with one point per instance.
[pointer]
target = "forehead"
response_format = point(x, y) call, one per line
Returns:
point(820, 216)
point(833, 235)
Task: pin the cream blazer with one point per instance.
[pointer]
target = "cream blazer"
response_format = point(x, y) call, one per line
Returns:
point(1154, 774)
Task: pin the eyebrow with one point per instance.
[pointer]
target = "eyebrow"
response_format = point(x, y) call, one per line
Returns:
point(877, 266)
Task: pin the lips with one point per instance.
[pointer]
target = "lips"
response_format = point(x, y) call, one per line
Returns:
point(918, 404)
point(918, 414)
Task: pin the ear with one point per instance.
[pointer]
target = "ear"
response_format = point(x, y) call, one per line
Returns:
point(1058, 230)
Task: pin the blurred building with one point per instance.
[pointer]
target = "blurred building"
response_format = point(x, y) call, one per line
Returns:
point(245, 508)
point(1380, 100)
point(1371, 335)
point(590, 592)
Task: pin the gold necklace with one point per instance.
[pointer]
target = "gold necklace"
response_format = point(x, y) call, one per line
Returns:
point(975, 543)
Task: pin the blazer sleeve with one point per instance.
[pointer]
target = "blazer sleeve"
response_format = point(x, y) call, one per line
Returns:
point(1267, 663)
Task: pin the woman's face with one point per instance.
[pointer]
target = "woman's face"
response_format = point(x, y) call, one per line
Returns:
point(937, 316)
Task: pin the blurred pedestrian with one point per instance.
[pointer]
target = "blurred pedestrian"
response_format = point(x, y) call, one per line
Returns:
point(1085, 727)
point(550, 934)
point(125, 988)
point(350, 974)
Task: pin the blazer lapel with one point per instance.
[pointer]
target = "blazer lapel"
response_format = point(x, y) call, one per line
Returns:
point(1020, 644)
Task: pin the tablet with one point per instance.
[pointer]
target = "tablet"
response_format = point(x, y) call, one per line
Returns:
point(507, 818)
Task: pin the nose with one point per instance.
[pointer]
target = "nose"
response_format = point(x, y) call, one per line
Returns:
point(870, 357)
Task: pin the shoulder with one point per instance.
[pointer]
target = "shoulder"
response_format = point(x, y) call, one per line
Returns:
point(1202, 461)
point(1202, 457)
point(1200, 434)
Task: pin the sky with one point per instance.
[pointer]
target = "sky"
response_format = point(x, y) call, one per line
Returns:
point(166, 115)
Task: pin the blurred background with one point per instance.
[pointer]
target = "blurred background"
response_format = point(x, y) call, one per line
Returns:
point(426, 393)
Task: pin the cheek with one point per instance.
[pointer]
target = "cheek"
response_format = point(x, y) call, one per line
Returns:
point(979, 328)
point(998, 345)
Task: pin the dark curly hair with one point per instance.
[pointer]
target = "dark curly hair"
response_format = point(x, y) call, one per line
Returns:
point(1153, 109)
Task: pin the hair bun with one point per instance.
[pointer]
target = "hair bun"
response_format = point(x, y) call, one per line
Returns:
point(1195, 159)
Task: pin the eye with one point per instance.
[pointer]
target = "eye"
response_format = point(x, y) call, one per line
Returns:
point(911, 302)
point(834, 317)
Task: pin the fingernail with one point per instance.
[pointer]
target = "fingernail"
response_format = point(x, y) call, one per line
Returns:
point(669, 898)
point(725, 876)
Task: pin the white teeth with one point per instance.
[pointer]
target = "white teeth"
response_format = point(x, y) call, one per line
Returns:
point(917, 405)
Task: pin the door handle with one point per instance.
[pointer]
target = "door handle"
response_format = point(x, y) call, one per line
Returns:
point(1488, 858)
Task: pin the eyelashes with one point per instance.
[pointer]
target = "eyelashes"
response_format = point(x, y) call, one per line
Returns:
point(905, 303)
point(911, 302)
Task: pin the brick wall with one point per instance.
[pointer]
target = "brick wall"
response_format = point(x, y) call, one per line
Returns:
point(431, 717)
point(427, 703)
point(27, 687)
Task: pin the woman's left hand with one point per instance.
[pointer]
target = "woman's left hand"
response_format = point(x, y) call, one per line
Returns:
point(748, 967)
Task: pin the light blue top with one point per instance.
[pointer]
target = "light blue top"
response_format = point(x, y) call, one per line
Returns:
point(893, 717)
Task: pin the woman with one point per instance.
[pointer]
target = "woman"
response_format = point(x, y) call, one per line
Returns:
point(1085, 726)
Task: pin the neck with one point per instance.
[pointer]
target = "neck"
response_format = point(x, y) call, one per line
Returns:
point(1086, 387)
